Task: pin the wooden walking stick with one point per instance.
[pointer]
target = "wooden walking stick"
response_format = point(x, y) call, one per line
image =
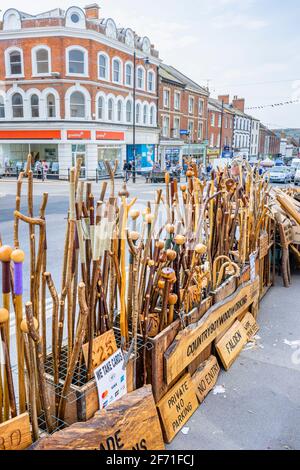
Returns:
point(80, 333)
point(111, 172)
point(31, 370)
point(32, 331)
point(18, 257)
point(55, 344)
point(5, 252)
point(4, 319)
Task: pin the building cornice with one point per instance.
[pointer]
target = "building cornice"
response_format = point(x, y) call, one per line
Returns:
point(59, 31)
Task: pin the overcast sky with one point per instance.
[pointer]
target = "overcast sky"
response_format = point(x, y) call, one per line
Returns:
point(249, 48)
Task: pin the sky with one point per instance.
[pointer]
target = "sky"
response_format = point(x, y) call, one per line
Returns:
point(249, 48)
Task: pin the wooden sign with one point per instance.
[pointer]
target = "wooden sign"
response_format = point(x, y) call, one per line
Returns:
point(104, 346)
point(131, 423)
point(231, 344)
point(250, 325)
point(177, 406)
point(205, 377)
point(191, 341)
point(15, 434)
point(263, 245)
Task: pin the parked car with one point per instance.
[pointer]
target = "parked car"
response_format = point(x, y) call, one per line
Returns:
point(297, 177)
point(280, 174)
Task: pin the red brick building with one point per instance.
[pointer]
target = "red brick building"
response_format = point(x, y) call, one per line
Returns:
point(182, 116)
point(269, 143)
point(67, 88)
point(220, 126)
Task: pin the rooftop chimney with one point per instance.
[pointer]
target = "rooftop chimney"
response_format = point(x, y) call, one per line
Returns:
point(224, 98)
point(92, 11)
point(239, 103)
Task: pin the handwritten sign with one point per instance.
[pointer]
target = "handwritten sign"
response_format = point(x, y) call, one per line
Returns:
point(111, 379)
point(263, 245)
point(231, 344)
point(250, 325)
point(205, 377)
point(177, 406)
point(129, 424)
point(191, 341)
point(104, 346)
point(15, 434)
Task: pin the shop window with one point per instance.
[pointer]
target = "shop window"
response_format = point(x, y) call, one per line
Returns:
point(42, 61)
point(129, 111)
point(117, 70)
point(119, 111)
point(128, 74)
point(15, 63)
point(51, 108)
point(17, 105)
point(2, 108)
point(110, 109)
point(103, 67)
point(77, 62)
point(34, 104)
point(100, 107)
point(77, 105)
point(140, 78)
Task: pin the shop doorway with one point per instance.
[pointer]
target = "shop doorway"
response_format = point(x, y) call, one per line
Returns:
point(79, 151)
point(110, 153)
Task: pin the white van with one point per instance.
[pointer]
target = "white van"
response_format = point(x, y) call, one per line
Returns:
point(295, 166)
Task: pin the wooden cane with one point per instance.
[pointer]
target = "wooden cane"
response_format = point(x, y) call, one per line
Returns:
point(18, 257)
point(4, 319)
point(32, 331)
point(80, 333)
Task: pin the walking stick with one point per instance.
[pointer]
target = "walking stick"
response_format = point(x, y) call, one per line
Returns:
point(18, 257)
point(4, 319)
point(5, 252)
point(32, 331)
point(55, 344)
point(80, 333)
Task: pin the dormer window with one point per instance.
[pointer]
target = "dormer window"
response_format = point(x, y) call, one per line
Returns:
point(75, 18)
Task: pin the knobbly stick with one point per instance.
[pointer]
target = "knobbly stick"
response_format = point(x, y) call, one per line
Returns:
point(4, 319)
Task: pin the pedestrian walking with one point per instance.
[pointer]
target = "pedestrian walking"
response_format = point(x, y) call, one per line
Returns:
point(45, 169)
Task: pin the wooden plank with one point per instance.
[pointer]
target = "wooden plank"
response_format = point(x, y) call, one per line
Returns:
point(232, 343)
point(205, 378)
point(197, 313)
point(191, 341)
point(250, 325)
point(131, 423)
point(15, 434)
point(177, 406)
point(104, 346)
point(263, 245)
point(225, 290)
point(199, 360)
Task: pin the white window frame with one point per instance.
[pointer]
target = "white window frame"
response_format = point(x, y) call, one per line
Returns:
point(164, 127)
point(176, 131)
point(111, 98)
point(168, 91)
point(138, 117)
point(119, 99)
point(68, 103)
point(85, 63)
point(219, 120)
point(126, 103)
point(7, 62)
point(2, 95)
point(151, 71)
point(212, 119)
point(177, 93)
point(212, 138)
point(191, 134)
point(140, 67)
point(191, 108)
point(145, 105)
point(117, 59)
point(107, 78)
point(34, 51)
point(125, 74)
point(152, 107)
point(200, 107)
point(200, 125)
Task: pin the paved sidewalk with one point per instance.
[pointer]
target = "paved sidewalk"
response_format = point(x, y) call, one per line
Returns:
point(260, 406)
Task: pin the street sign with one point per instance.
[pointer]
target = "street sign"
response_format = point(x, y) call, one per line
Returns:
point(184, 132)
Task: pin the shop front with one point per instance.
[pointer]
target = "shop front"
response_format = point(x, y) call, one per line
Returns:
point(197, 153)
point(144, 156)
point(171, 154)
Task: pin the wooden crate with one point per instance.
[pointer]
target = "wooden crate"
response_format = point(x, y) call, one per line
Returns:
point(159, 345)
point(15, 434)
point(82, 401)
point(225, 290)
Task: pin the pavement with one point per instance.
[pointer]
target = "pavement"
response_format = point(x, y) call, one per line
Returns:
point(259, 403)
